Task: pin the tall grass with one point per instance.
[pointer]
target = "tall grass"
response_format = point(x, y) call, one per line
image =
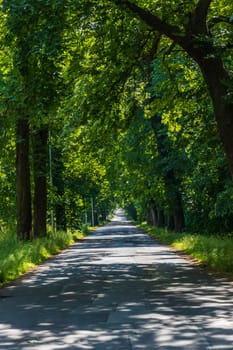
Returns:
point(17, 257)
point(212, 250)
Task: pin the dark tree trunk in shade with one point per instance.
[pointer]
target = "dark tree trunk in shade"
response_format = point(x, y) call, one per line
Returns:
point(23, 186)
point(58, 183)
point(40, 161)
point(176, 220)
point(161, 219)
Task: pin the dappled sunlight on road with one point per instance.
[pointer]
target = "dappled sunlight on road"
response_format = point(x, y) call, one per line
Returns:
point(117, 290)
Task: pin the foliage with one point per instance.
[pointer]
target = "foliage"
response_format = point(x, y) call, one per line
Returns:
point(84, 174)
point(193, 149)
point(96, 74)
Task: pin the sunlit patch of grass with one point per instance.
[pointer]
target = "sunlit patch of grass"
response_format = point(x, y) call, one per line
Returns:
point(212, 250)
point(17, 257)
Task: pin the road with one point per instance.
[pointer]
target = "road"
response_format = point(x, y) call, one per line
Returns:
point(117, 290)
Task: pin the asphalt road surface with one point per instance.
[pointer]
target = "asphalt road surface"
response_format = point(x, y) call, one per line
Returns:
point(117, 290)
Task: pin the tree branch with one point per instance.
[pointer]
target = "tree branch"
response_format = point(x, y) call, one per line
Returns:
point(188, 38)
point(198, 18)
point(220, 19)
point(203, 7)
point(153, 49)
point(173, 32)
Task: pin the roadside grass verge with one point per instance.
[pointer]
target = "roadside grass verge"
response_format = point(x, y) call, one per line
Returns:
point(213, 250)
point(17, 257)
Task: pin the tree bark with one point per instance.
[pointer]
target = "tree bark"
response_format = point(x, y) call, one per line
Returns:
point(40, 160)
point(23, 186)
point(217, 81)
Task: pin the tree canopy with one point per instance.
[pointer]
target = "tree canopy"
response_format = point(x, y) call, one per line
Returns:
point(107, 103)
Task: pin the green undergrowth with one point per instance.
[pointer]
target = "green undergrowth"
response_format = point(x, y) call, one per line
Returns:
point(17, 257)
point(213, 250)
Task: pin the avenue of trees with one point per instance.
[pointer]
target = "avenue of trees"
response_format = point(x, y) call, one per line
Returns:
point(106, 103)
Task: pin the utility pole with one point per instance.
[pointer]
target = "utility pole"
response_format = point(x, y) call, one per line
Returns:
point(51, 179)
point(92, 212)
point(85, 215)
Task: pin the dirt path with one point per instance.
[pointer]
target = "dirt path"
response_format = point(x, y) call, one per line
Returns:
point(117, 290)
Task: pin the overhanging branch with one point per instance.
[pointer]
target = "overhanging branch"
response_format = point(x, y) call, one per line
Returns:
point(187, 39)
point(203, 7)
point(198, 18)
point(173, 32)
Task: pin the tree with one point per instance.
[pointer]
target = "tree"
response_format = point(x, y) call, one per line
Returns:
point(171, 179)
point(134, 107)
point(196, 154)
point(7, 172)
point(23, 186)
point(84, 176)
point(34, 36)
point(14, 80)
point(197, 28)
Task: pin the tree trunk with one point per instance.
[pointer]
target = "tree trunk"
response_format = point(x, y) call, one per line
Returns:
point(179, 216)
point(217, 81)
point(171, 181)
point(40, 157)
point(170, 222)
point(23, 186)
point(58, 183)
point(152, 216)
point(224, 117)
point(219, 84)
point(60, 215)
point(161, 218)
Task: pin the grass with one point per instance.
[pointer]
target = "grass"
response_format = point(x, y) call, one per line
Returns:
point(17, 257)
point(213, 250)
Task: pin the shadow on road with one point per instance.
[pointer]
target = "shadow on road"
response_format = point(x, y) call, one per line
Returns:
point(118, 289)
